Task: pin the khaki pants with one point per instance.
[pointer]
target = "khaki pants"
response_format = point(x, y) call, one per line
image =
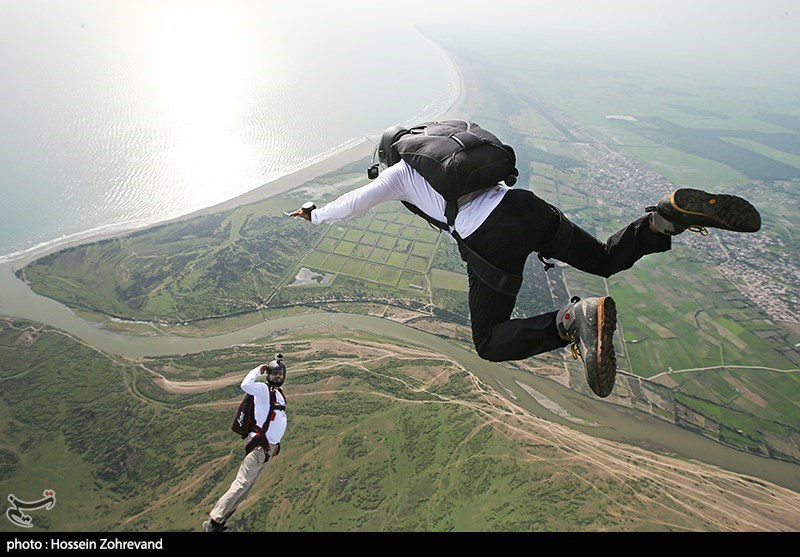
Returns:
point(249, 471)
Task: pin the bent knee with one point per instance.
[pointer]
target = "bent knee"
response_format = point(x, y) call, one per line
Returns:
point(606, 272)
point(485, 352)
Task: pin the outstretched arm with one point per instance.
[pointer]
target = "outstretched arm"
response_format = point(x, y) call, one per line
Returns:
point(387, 187)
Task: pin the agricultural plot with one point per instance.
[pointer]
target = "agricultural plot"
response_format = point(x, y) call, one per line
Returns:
point(679, 314)
point(388, 246)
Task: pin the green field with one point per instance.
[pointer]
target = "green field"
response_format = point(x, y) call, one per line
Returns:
point(404, 247)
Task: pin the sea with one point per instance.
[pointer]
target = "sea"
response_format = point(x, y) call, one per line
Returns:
point(117, 114)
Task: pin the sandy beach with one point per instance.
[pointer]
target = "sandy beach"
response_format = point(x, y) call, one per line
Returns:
point(468, 99)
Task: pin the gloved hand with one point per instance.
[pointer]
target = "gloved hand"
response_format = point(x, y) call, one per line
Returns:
point(273, 450)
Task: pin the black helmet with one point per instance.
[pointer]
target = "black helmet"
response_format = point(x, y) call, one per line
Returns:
point(384, 153)
point(276, 371)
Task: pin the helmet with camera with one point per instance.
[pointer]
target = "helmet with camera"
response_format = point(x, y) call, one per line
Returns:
point(276, 371)
point(384, 155)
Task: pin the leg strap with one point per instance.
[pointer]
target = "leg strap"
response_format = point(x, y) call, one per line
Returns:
point(558, 243)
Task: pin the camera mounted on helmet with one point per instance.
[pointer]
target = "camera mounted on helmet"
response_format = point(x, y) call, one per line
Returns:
point(384, 155)
point(276, 371)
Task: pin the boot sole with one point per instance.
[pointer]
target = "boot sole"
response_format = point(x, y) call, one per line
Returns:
point(728, 212)
point(606, 357)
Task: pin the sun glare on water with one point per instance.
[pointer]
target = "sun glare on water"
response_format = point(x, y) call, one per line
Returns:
point(206, 105)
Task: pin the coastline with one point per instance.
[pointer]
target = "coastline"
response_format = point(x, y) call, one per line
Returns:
point(468, 99)
point(466, 102)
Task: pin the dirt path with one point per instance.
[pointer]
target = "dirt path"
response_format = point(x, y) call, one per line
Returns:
point(654, 489)
point(689, 370)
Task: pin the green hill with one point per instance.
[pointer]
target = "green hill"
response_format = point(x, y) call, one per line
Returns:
point(382, 437)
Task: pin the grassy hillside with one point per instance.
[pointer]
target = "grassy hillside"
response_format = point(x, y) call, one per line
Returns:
point(382, 437)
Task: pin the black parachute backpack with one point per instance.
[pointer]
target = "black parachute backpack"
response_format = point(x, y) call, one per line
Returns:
point(457, 158)
point(245, 419)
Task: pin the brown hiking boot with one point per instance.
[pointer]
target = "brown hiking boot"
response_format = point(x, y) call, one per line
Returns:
point(695, 210)
point(589, 324)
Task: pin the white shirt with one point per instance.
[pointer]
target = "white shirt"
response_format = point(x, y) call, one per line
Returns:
point(400, 182)
point(261, 393)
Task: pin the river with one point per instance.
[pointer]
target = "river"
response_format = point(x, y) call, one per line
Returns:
point(550, 400)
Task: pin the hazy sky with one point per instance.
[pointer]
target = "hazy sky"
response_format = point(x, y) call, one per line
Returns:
point(751, 38)
point(741, 31)
point(754, 32)
point(715, 19)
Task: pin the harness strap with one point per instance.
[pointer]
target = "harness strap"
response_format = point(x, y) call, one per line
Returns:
point(260, 437)
point(273, 405)
point(497, 279)
point(467, 139)
point(503, 282)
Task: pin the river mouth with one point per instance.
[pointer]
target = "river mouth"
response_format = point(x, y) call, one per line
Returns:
point(542, 397)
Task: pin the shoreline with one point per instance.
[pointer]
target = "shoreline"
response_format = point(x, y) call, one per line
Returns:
point(25, 304)
point(467, 100)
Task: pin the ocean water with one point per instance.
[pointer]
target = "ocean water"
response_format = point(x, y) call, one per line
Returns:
point(119, 114)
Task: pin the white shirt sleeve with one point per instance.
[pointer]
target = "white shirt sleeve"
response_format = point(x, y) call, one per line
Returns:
point(253, 387)
point(400, 182)
point(388, 186)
